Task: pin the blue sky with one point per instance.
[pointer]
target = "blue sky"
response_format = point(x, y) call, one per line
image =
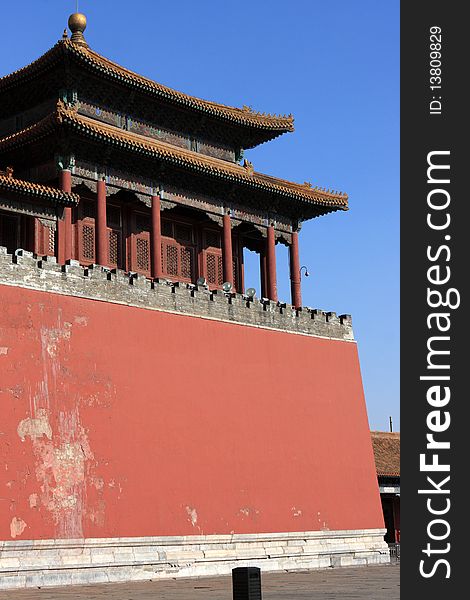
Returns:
point(335, 66)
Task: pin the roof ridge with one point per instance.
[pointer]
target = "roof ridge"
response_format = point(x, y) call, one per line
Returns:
point(5, 80)
point(245, 113)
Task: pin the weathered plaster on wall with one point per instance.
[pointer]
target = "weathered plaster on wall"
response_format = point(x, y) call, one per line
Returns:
point(17, 526)
point(62, 464)
point(136, 421)
point(35, 427)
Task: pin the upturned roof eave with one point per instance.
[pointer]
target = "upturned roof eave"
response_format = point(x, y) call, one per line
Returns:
point(271, 126)
point(9, 184)
point(325, 201)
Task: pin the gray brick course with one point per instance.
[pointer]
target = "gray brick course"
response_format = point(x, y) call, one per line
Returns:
point(23, 269)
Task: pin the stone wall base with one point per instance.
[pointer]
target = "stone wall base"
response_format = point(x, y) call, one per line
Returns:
point(64, 562)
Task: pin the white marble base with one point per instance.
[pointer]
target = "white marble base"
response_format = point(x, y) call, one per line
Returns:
point(64, 562)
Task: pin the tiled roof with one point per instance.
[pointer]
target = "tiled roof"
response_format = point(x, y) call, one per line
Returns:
point(8, 183)
point(102, 66)
point(187, 159)
point(386, 447)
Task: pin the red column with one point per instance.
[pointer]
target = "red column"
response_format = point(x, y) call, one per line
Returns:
point(156, 238)
point(271, 264)
point(396, 518)
point(227, 250)
point(64, 226)
point(295, 271)
point(101, 229)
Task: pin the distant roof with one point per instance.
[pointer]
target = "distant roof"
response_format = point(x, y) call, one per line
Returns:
point(386, 447)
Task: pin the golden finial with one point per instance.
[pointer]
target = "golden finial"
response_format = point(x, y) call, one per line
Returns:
point(77, 25)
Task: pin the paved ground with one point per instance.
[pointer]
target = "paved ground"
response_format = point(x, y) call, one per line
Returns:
point(380, 582)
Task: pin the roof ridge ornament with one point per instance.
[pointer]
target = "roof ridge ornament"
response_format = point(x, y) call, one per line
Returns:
point(77, 25)
point(64, 110)
point(248, 166)
point(8, 173)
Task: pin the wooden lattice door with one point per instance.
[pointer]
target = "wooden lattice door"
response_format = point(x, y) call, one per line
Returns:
point(44, 242)
point(140, 244)
point(212, 266)
point(178, 251)
point(85, 251)
point(115, 237)
point(212, 260)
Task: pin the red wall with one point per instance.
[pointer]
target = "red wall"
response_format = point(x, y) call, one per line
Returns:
point(118, 421)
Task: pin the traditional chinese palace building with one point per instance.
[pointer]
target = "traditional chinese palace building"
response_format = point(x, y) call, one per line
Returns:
point(157, 418)
point(386, 447)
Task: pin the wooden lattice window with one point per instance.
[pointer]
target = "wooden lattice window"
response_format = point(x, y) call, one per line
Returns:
point(88, 242)
point(178, 251)
point(186, 261)
point(114, 224)
point(178, 261)
point(44, 242)
point(139, 243)
point(214, 269)
point(236, 273)
point(85, 244)
point(50, 242)
point(114, 241)
point(142, 255)
point(171, 256)
point(212, 257)
point(211, 268)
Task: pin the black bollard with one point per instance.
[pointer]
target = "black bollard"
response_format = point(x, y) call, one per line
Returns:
point(246, 583)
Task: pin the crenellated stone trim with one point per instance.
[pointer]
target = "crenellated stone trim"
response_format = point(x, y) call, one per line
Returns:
point(65, 562)
point(23, 269)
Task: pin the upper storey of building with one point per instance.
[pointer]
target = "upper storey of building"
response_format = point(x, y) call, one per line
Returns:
point(125, 150)
point(74, 108)
point(108, 92)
